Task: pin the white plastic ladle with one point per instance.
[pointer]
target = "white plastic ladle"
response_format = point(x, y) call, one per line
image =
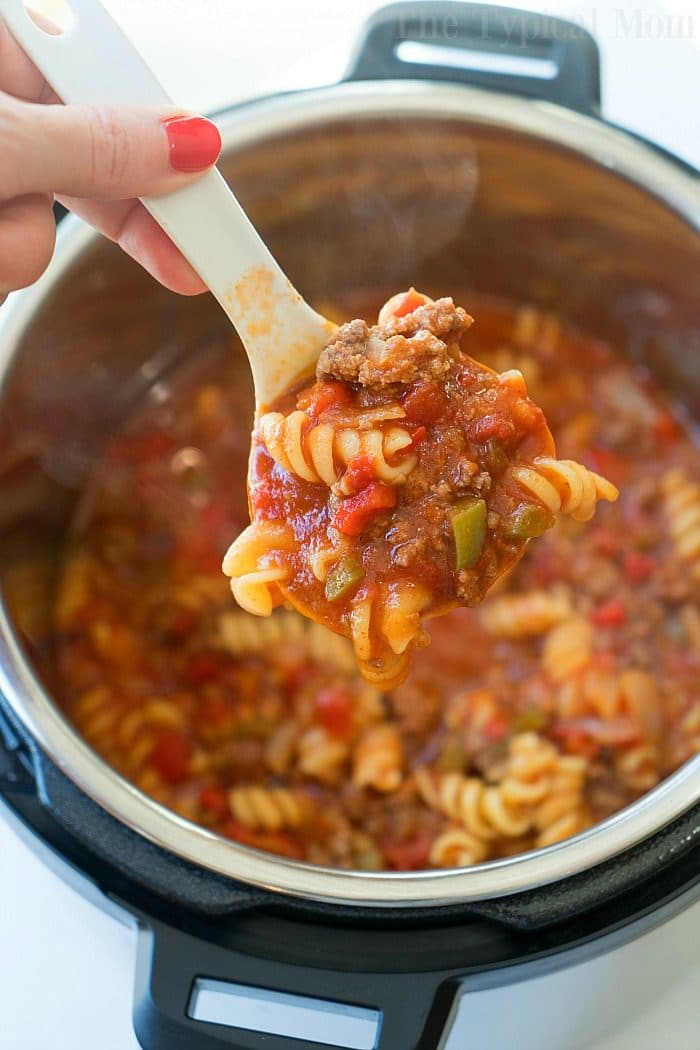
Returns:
point(94, 63)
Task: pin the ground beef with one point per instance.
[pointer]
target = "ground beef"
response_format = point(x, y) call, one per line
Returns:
point(404, 350)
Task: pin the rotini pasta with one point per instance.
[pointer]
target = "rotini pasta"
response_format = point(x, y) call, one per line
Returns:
point(524, 615)
point(477, 806)
point(529, 718)
point(568, 648)
point(321, 452)
point(682, 505)
point(96, 716)
point(26, 586)
point(254, 564)
point(564, 486)
point(241, 633)
point(504, 358)
point(322, 755)
point(562, 812)
point(457, 848)
point(638, 767)
point(539, 791)
point(506, 809)
point(395, 617)
point(632, 695)
point(269, 809)
point(378, 759)
point(533, 328)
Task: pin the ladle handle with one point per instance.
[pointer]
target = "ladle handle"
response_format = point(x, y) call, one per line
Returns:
point(94, 62)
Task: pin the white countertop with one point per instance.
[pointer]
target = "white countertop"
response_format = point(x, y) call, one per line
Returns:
point(68, 968)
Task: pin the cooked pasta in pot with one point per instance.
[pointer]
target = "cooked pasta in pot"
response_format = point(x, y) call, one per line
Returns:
point(573, 689)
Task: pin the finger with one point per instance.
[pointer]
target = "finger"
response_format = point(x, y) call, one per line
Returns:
point(18, 74)
point(136, 231)
point(27, 238)
point(101, 152)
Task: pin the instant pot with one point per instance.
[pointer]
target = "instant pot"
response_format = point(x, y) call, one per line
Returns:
point(427, 165)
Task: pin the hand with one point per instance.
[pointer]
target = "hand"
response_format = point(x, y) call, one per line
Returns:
point(96, 161)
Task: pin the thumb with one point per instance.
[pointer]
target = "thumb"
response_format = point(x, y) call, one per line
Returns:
point(100, 152)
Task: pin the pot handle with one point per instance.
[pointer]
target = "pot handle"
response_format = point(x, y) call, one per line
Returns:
point(500, 48)
point(191, 994)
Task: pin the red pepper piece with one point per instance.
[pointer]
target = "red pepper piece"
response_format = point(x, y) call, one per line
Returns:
point(170, 756)
point(324, 395)
point(214, 801)
point(203, 667)
point(407, 856)
point(574, 740)
point(406, 302)
point(607, 462)
point(493, 426)
point(638, 567)
point(496, 728)
point(215, 714)
point(334, 713)
point(270, 841)
point(359, 474)
point(610, 614)
point(665, 428)
point(604, 540)
point(355, 514)
point(425, 403)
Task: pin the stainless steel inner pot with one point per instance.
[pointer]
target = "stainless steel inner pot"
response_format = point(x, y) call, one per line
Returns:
point(360, 186)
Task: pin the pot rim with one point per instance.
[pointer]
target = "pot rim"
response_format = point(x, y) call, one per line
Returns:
point(593, 140)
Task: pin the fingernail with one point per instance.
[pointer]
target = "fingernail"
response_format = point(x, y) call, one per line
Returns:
point(194, 143)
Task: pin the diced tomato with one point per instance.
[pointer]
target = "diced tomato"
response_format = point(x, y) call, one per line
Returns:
point(609, 614)
point(179, 622)
point(355, 514)
point(215, 801)
point(607, 462)
point(665, 428)
point(604, 540)
point(586, 736)
point(170, 756)
point(424, 403)
point(215, 712)
point(574, 740)
point(334, 713)
point(496, 728)
point(493, 426)
point(297, 676)
point(202, 667)
point(324, 395)
point(271, 841)
point(402, 303)
point(638, 567)
point(360, 473)
point(407, 856)
point(418, 436)
point(620, 732)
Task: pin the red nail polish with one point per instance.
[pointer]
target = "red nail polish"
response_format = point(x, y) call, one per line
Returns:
point(194, 143)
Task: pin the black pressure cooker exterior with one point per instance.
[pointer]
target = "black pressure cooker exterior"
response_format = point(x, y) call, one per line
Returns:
point(408, 964)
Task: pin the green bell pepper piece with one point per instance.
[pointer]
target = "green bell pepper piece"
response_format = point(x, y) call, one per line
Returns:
point(469, 530)
point(527, 521)
point(344, 575)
